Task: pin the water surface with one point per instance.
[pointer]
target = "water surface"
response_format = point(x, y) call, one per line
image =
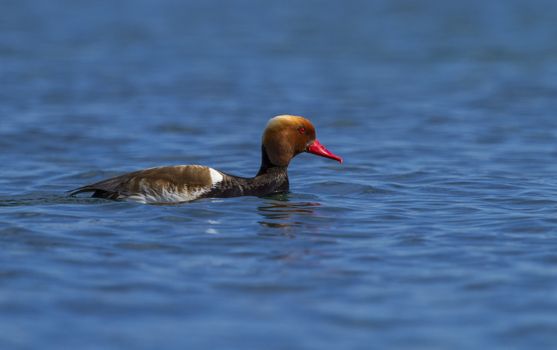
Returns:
point(438, 231)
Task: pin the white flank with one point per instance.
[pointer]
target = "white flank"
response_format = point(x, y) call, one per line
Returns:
point(165, 196)
point(216, 176)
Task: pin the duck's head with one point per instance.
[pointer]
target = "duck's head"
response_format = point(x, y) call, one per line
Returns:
point(287, 136)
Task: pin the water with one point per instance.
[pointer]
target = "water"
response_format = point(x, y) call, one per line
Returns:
point(438, 231)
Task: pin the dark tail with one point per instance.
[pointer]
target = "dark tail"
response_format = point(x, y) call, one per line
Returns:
point(76, 191)
point(97, 193)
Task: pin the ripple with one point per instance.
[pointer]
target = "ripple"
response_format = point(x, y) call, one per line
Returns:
point(342, 188)
point(445, 204)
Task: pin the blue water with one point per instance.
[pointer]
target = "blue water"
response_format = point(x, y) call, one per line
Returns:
point(438, 232)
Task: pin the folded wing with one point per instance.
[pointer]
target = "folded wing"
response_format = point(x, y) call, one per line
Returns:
point(169, 184)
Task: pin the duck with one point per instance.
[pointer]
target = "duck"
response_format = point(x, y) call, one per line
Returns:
point(284, 137)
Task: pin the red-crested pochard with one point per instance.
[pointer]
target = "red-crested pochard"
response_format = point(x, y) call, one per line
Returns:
point(284, 137)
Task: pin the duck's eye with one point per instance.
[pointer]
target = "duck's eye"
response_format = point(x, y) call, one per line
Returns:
point(302, 130)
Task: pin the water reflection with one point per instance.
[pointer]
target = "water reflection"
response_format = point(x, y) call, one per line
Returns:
point(281, 212)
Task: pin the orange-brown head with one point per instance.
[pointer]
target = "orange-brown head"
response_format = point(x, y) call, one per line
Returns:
point(288, 135)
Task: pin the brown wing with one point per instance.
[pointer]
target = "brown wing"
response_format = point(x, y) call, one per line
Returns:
point(159, 181)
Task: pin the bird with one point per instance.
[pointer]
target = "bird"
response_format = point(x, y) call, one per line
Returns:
point(284, 137)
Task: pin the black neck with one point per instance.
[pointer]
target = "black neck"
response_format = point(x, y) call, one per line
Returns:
point(266, 165)
point(270, 179)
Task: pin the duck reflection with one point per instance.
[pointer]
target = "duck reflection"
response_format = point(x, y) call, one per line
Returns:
point(281, 212)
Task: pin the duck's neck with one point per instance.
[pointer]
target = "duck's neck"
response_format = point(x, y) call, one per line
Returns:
point(270, 178)
point(267, 167)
